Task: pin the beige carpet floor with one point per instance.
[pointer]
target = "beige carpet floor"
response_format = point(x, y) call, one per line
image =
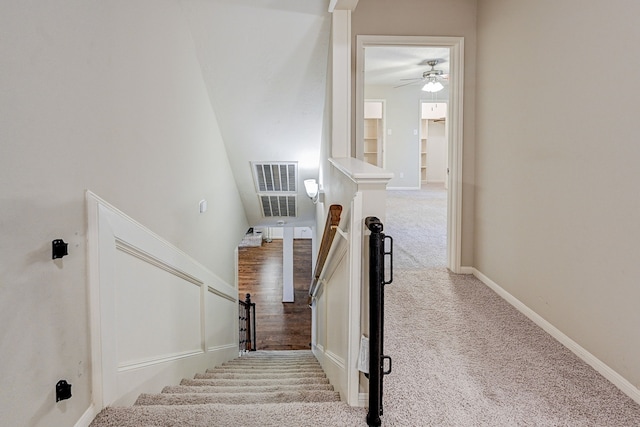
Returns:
point(462, 356)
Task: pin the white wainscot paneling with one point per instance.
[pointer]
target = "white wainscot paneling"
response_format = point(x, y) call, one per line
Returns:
point(166, 325)
point(219, 335)
point(157, 315)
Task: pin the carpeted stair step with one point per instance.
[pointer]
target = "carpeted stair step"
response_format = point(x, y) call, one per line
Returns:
point(244, 389)
point(334, 414)
point(254, 382)
point(259, 376)
point(259, 389)
point(238, 398)
point(254, 370)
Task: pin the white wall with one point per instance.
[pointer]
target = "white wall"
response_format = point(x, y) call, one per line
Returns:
point(557, 167)
point(106, 96)
point(455, 18)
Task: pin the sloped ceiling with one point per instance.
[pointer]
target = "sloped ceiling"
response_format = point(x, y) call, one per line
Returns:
point(264, 63)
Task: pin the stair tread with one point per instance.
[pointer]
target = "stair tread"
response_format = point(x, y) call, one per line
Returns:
point(238, 398)
point(263, 388)
point(266, 375)
point(254, 369)
point(243, 389)
point(337, 414)
point(253, 382)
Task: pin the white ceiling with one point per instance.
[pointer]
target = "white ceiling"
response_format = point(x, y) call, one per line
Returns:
point(388, 65)
point(264, 65)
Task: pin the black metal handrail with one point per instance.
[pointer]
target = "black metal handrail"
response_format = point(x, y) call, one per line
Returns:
point(377, 282)
point(247, 324)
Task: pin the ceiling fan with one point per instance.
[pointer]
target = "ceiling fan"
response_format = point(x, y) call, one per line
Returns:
point(430, 78)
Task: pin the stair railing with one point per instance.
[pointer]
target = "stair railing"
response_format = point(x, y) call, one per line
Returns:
point(247, 324)
point(377, 282)
point(330, 228)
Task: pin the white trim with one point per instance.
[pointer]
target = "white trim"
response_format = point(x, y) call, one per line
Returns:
point(455, 125)
point(335, 359)
point(128, 366)
point(466, 270)
point(403, 188)
point(221, 294)
point(618, 380)
point(355, 298)
point(222, 347)
point(88, 416)
point(341, 83)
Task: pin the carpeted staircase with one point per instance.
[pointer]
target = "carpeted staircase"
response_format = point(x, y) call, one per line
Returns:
point(262, 388)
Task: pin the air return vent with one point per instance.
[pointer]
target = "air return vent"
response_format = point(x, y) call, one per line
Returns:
point(278, 205)
point(276, 177)
point(275, 183)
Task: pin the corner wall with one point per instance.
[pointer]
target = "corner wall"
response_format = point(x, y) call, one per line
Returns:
point(557, 167)
point(106, 96)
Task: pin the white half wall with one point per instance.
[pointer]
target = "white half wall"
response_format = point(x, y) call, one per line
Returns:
point(157, 315)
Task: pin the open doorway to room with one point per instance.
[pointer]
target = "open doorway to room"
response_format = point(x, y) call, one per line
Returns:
point(396, 69)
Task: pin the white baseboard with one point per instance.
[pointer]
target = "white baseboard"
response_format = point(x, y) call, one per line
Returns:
point(87, 417)
point(615, 378)
point(403, 188)
point(467, 270)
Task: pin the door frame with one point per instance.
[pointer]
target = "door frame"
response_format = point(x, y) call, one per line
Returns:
point(454, 125)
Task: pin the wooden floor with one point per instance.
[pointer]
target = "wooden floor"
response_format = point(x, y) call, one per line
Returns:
point(279, 326)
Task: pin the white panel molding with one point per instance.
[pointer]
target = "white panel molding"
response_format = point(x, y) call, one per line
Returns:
point(618, 380)
point(335, 359)
point(222, 294)
point(110, 232)
point(222, 347)
point(127, 366)
point(141, 255)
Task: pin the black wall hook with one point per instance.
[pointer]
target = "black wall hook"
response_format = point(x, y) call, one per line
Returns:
point(59, 249)
point(63, 390)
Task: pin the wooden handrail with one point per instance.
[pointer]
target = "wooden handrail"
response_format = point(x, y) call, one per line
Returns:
point(333, 220)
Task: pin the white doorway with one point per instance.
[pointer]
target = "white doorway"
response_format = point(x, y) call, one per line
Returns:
point(453, 125)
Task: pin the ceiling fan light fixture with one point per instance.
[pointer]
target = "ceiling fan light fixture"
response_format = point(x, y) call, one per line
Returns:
point(432, 86)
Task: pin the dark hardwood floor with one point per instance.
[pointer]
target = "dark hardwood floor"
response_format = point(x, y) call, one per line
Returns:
point(279, 326)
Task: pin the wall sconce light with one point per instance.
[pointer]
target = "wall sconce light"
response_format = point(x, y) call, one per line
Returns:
point(311, 187)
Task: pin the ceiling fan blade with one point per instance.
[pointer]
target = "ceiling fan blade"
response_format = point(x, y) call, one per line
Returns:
point(407, 84)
